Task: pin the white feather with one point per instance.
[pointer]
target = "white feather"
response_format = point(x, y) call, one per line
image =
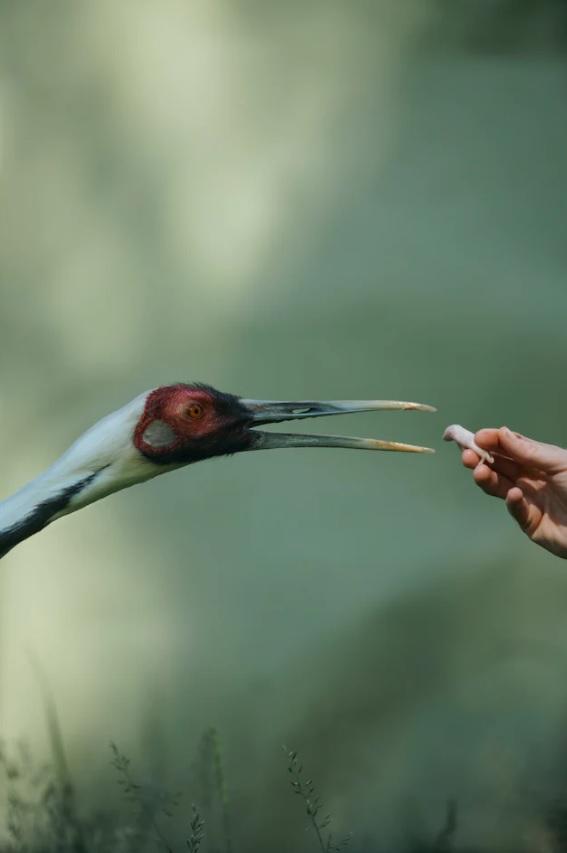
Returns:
point(107, 445)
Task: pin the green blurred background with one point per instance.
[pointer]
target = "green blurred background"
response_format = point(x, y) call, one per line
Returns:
point(291, 200)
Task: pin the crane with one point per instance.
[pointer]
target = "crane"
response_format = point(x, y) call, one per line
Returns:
point(164, 429)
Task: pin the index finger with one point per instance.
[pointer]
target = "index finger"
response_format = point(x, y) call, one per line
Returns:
point(489, 439)
point(535, 455)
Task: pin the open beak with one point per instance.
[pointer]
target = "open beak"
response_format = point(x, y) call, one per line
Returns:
point(276, 411)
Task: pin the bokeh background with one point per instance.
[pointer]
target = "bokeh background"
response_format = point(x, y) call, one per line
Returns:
point(291, 200)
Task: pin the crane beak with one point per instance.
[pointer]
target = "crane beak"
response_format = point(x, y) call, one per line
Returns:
point(276, 411)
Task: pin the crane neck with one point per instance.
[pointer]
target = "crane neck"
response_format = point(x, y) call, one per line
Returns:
point(32, 508)
point(101, 461)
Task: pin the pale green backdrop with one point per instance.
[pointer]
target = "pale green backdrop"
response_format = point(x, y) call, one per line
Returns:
point(290, 200)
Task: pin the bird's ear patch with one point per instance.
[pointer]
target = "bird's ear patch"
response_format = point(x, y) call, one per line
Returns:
point(158, 434)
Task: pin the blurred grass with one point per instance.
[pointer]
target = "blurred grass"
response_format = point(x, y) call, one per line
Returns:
point(38, 817)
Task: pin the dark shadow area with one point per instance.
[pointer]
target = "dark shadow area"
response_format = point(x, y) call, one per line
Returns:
point(503, 28)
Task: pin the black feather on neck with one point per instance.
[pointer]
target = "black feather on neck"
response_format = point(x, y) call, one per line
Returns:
point(41, 515)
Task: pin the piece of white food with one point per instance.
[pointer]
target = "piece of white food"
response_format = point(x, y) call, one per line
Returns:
point(465, 439)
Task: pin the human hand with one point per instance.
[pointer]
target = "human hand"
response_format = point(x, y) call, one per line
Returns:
point(531, 477)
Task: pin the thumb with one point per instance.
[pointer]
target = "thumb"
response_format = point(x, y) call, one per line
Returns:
point(526, 451)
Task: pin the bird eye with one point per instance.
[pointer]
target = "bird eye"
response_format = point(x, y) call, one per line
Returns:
point(195, 411)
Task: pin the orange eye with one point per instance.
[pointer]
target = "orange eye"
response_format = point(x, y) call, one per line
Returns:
point(195, 411)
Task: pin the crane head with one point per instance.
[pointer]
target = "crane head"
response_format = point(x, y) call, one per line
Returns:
point(164, 429)
point(185, 423)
